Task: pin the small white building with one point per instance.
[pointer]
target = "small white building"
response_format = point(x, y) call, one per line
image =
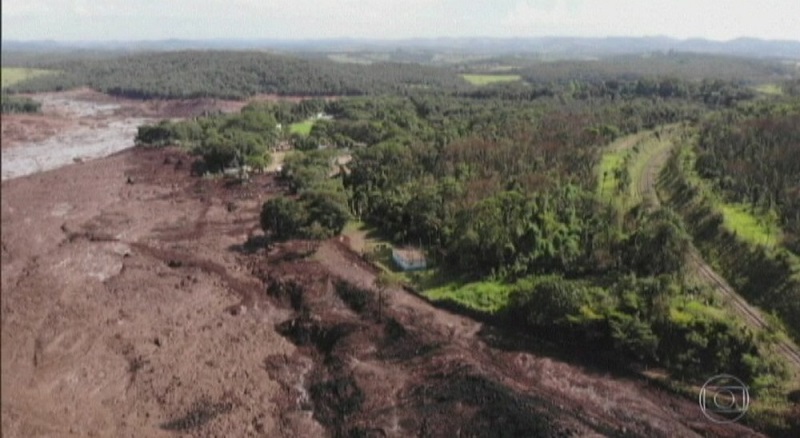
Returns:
point(409, 259)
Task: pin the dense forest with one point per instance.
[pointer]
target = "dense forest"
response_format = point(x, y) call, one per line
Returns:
point(238, 75)
point(234, 75)
point(743, 206)
point(686, 66)
point(753, 157)
point(501, 186)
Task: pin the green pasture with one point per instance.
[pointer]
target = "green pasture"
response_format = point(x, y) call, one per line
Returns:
point(476, 79)
point(13, 75)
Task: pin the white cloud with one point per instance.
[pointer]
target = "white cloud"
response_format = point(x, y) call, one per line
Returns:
point(716, 19)
point(155, 19)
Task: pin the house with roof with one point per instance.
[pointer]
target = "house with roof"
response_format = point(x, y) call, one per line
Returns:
point(409, 259)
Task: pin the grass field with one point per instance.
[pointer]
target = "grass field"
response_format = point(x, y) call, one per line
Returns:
point(770, 89)
point(303, 128)
point(12, 75)
point(485, 296)
point(610, 163)
point(489, 79)
point(754, 227)
point(757, 229)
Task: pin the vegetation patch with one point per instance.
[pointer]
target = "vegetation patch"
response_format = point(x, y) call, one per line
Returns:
point(17, 104)
point(302, 128)
point(14, 75)
point(623, 167)
point(232, 75)
point(735, 242)
point(613, 175)
point(486, 79)
point(485, 296)
point(770, 89)
point(757, 229)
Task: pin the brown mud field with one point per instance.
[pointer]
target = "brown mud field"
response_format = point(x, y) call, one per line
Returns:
point(140, 301)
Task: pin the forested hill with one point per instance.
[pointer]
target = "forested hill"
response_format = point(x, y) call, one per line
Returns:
point(188, 74)
point(686, 66)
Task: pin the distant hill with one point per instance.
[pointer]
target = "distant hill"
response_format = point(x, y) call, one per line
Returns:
point(555, 47)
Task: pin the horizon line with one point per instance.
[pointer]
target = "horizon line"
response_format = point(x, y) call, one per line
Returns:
point(389, 40)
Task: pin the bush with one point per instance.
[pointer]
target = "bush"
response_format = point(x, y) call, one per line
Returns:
point(315, 215)
point(551, 301)
point(14, 104)
point(258, 162)
point(283, 217)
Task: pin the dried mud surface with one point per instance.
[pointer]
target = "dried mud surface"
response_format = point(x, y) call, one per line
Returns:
point(80, 125)
point(154, 309)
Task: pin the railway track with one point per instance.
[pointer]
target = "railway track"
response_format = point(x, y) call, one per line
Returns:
point(645, 185)
point(739, 305)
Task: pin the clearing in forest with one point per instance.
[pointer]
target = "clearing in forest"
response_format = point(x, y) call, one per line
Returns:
point(303, 128)
point(769, 89)
point(12, 75)
point(490, 79)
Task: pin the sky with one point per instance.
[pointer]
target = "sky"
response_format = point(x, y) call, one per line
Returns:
point(98, 20)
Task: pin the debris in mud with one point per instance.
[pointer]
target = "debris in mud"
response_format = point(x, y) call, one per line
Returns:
point(174, 264)
point(306, 331)
point(495, 410)
point(356, 298)
point(136, 363)
point(287, 290)
point(336, 399)
point(201, 413)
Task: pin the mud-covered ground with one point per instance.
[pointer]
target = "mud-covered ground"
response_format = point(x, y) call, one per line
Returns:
point(155, 309)
point(81, 125)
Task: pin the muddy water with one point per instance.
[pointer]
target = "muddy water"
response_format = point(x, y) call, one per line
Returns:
point(97, 132)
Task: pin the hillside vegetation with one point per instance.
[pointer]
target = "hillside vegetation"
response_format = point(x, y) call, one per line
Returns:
point(738, 193)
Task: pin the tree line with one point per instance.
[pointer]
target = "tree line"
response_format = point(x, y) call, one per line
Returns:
point(234, 75)
point(17, 104)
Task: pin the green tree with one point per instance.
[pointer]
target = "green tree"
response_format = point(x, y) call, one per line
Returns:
point(384, 281)
point(658, 246)
point(283, 218)
point(328, 209)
